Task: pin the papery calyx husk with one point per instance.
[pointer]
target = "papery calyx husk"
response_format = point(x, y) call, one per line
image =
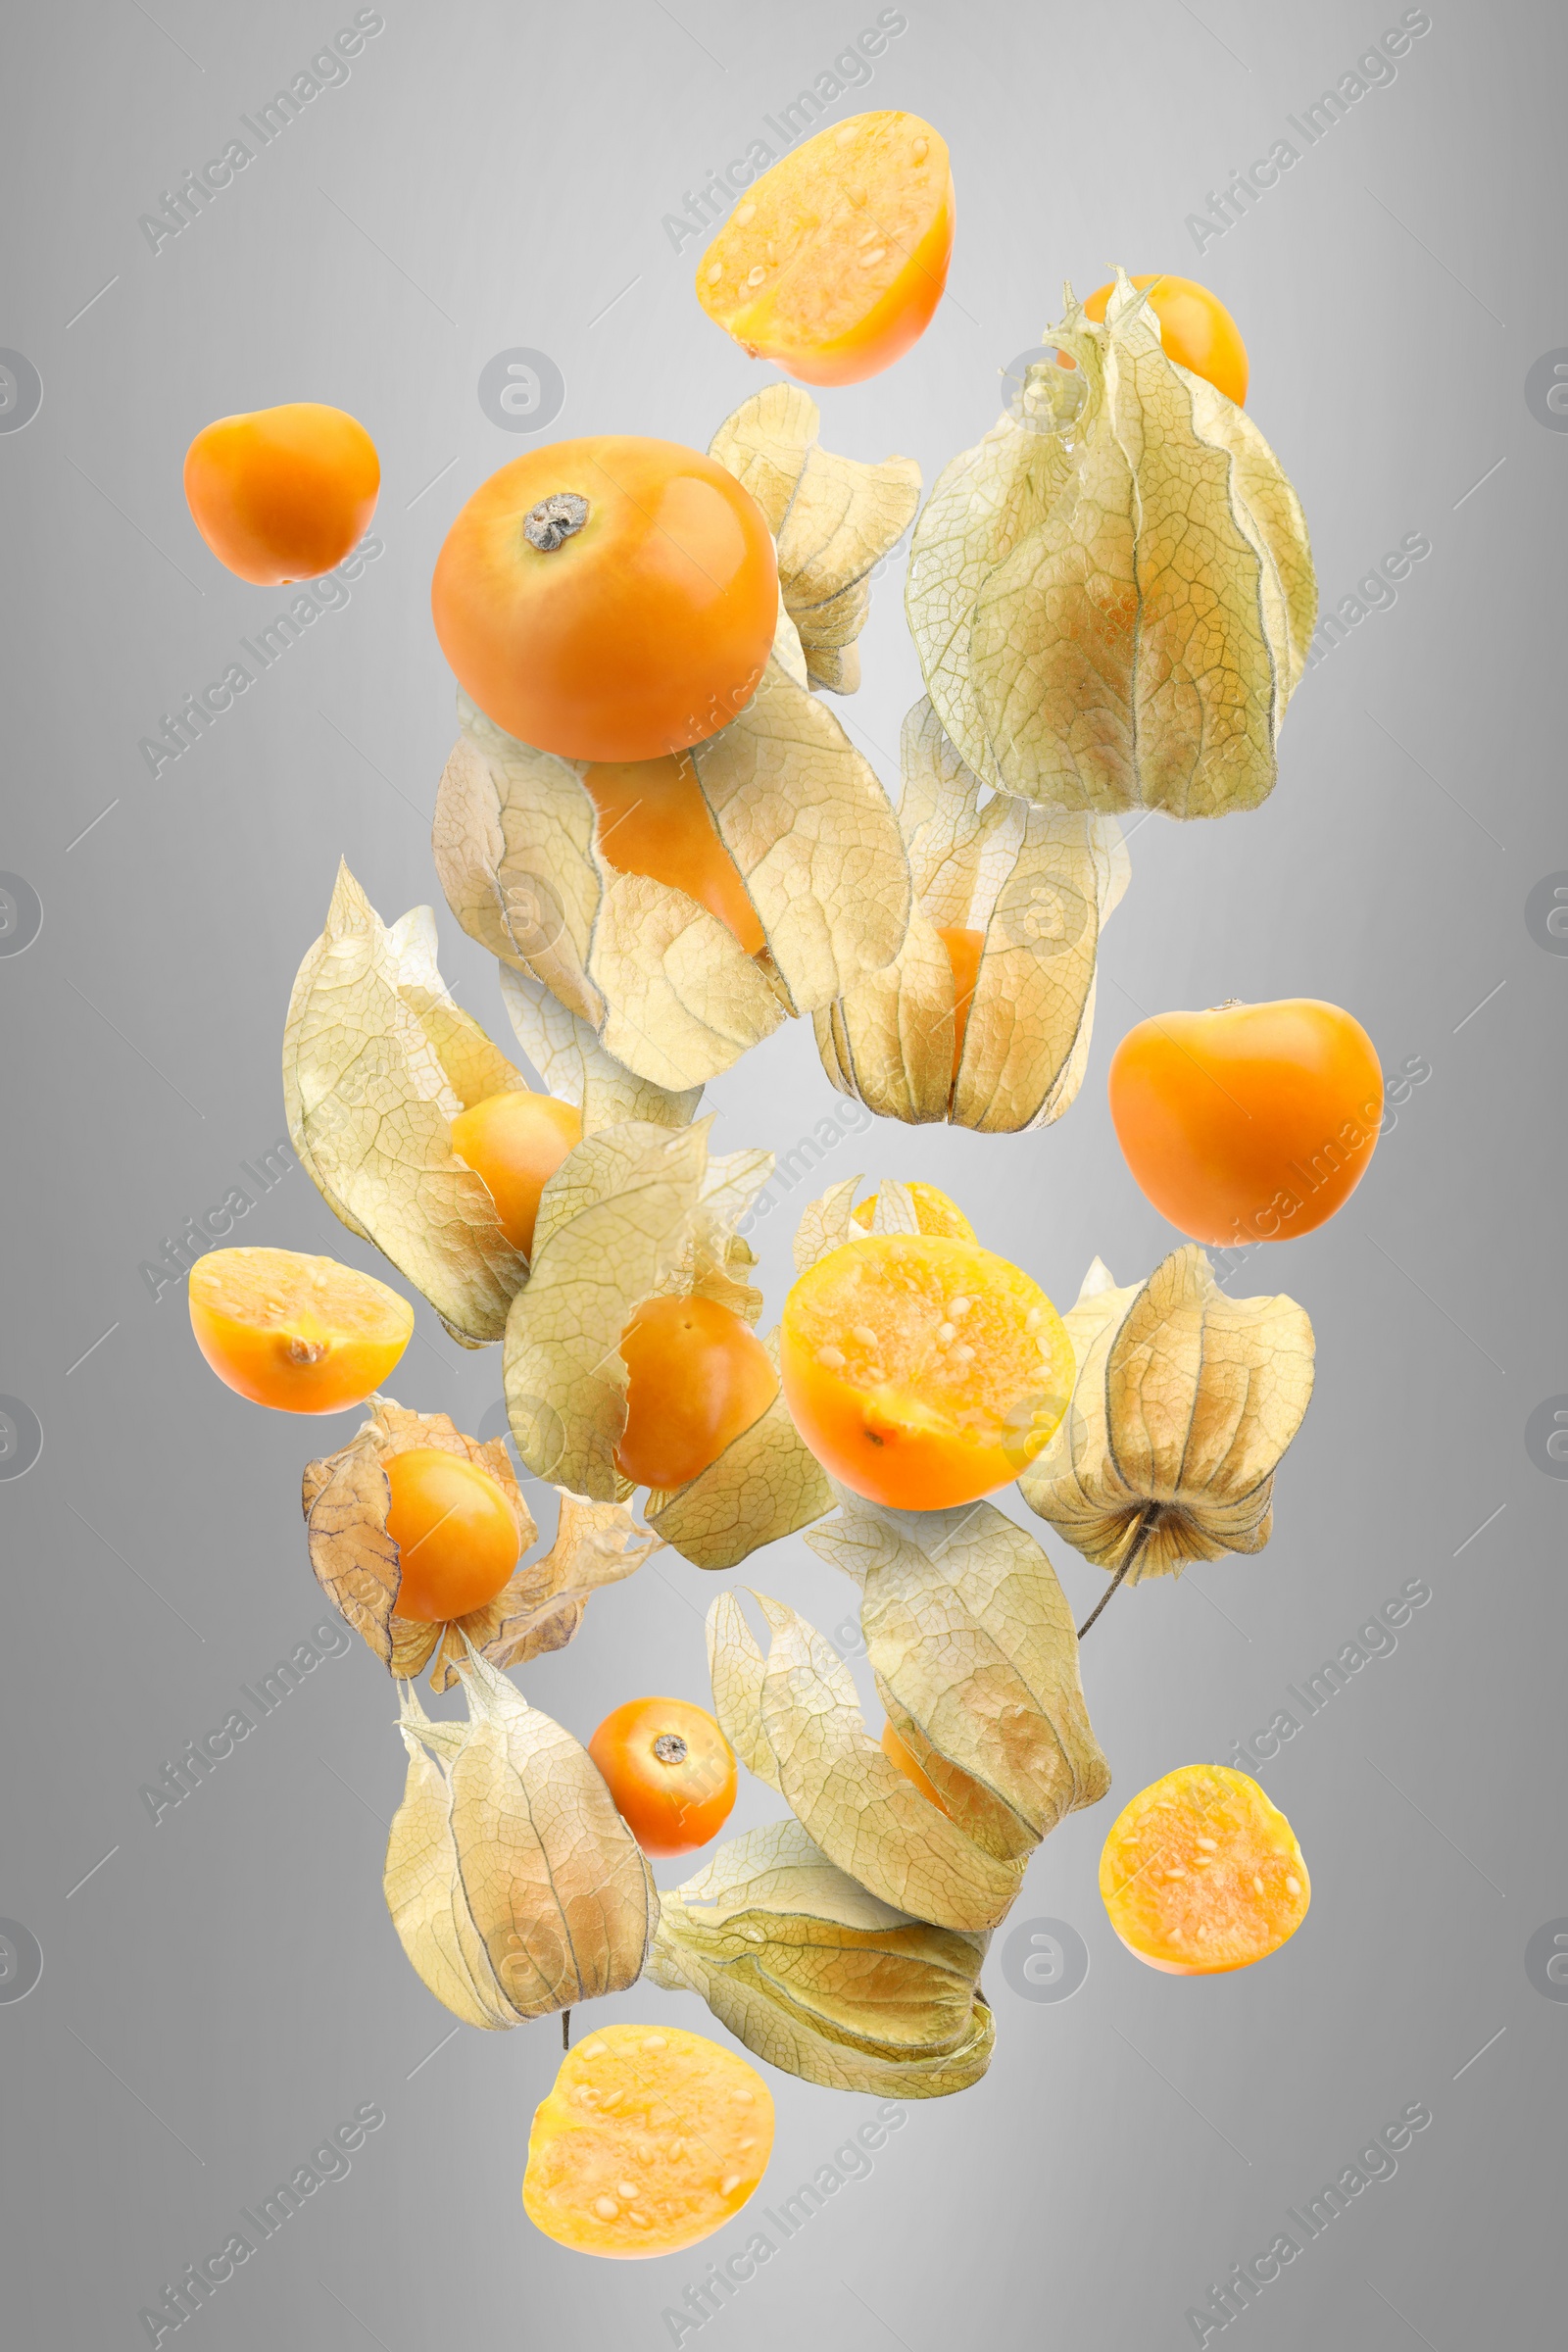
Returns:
point(1185, 1402)
point(377, 1063)
point(640, 1211)
point(1038, 884)
point(1112, 595)
point(667, 989)
point(822, 1978)
point(834, 520)
point(355, 1558)
point(513, 1882)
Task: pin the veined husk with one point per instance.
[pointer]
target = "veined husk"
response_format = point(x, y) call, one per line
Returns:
point(1185, 1402)
point(817, 1977)
point(513, 1882)
point(346, 1500)
point(1039, 884)
point(664, 986)
point(834, 519)
point(641, 1211)
point(1112, 597)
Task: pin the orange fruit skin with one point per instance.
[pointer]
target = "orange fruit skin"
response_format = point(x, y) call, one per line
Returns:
point(643, 632)
point(652, 820)
point(303, 1335)
point(515, 1141)
point(934, 1213)
point(456, 1537)
point(1195, 328)
point(1202, 1858)
point(883, 1437)
point(1250, 1122)
point(963, 948)
point(282, 494)
point(685, 2126)
point(673, 1807)
point(696, 1376)
point(816, 179)
point(898, 1752)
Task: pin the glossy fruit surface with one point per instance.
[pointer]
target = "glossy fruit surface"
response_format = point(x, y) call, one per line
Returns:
point(833, 263)
point(457, 1540)
point(1249, 1122)
point(282, 494)
point(696, 1376)
point(1195, 328)
point(963, 948)
point(671, 1771)
point(922, 1371)
point(515, 1141)
point(652, 820)
point(649, 2140)
point(934, 1213)
point(608, 599)
point(1200, 1872)
point(304, 1334)
point(899, 1751)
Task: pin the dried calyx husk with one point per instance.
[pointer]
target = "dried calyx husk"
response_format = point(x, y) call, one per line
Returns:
point(346, 1500)
point(977, 1662)
point(513, 1882)
point(1185, 1402)
point(640, 1211)
point(834, 520)
point(822, 1978)
point(1112, 594)
point(1028, 889)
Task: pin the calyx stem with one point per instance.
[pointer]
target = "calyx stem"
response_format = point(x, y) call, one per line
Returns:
point(1132, 1550)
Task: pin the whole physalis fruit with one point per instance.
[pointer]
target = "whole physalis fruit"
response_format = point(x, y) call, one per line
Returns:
point(304, 1334)
point(696, 1376)
point(1196, 330)
point(835, 260)
point(456, 1533)
point(1248, 1122)
point(1201, 1873)
point(283, 493)
point(608, 599)
point(515, 1140)
point(671, 1771)
point(922, 1371)
point(651, 2139)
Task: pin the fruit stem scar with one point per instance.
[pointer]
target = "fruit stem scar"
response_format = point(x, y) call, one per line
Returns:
point(670, 1748)
point(554, 520)
point(306, 1351)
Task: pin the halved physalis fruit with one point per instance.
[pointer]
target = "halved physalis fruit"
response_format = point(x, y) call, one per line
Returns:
point(1196, 330)
point(1201, 1873)
point(456, 1535)
point(654, 820)
point(304, 1334)
point(922, 1372)
point(515, 1141)
point(934, 1213)
point(651, 2139)
point(835, 260)
point(696, 1376)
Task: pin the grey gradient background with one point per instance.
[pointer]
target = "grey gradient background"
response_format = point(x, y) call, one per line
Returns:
point(226, 1987)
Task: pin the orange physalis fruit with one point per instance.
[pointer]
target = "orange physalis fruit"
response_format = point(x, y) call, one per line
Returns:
point(834, 260)
point(1195, 328)
point(515, 1142)
point(934, 1213)
point(671, 1771)
point(899, 1753)
point(652, 820)
point(612, 598)
point(1248, 1122)
point(1201, 1873)
point(456, 1533)
point(651, 2139)
point(921, 1371)
point(304, 1334)
point(282, 494)
point(964, 947)
point(696, 1376)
